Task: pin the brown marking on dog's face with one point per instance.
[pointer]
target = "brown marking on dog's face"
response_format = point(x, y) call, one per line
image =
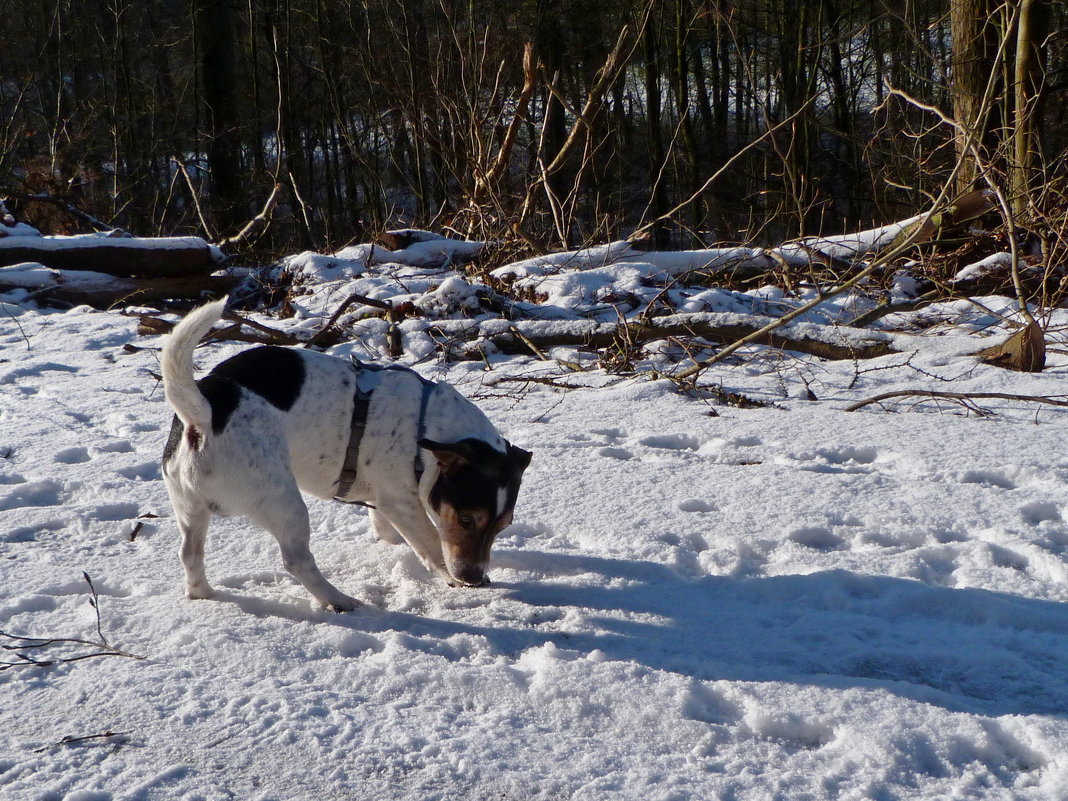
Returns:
point(473, 500)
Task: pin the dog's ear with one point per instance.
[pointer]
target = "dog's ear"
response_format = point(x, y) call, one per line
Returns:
point(519, 456)
point(451, 456)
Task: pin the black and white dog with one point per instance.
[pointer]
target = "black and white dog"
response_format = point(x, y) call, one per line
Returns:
point(270, 422)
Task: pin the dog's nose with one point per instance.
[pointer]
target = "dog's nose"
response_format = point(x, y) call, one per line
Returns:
point(473, 576)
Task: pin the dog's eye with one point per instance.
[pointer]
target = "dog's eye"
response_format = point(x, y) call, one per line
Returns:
point(466, 520)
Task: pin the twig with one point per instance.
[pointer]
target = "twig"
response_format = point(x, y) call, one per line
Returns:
point(18, 325)
point(71, 740)
point(195, 198)
point(324, 332)
point(549, 381)
point(154, 326)
point(95, 603)
point(529, 343)
point(870, 316)
point(957, 396)
point(22, 644)
point(257, 225)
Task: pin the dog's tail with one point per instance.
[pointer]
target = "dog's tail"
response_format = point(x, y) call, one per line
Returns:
point(176, 362)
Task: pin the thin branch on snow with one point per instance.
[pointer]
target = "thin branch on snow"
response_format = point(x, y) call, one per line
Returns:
point(72, 740)
point(22, 645)
point(963, 397)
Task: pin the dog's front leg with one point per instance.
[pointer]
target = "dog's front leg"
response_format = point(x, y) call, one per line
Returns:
point(384, 530)
point(410, 521)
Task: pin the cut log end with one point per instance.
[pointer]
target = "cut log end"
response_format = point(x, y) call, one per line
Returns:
point(1024, 351)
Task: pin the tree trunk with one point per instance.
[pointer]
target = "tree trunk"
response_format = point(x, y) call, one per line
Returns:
point(1028, 88)
point(217, 31)
point(658, 203)
point(973, 65)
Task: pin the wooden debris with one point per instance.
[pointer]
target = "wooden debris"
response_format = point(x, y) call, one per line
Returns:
point(261, 334)
point(402, 238)
point(1024, 351)
point(533, 337)
point(103, 291)
point(126, 257)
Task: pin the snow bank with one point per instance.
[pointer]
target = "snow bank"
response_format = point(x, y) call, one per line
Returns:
point(789, 601)
point(740, 592)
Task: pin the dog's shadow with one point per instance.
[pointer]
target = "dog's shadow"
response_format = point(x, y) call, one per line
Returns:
point(968, 650)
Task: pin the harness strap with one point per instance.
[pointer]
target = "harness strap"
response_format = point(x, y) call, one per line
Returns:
point(360, 406)
point(367, 379)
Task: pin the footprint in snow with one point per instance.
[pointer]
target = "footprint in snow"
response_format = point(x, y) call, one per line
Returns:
point(35, 371)
point(616, 453)
point(1041, 512)
point(990, 478)
point(35, 493)
point(149, 471)
point(818, 538)
point(705, 705)
point(673, 442)
point(745, 442)
point(696, 505)
point(118, 446)
point(73, 456)
point(837, 460)
point(109, 512)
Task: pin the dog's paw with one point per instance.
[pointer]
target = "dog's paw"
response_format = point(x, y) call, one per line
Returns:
point(345, 604)
point(199, 592)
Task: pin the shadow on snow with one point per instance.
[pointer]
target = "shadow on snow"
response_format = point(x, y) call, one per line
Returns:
point(967, 650)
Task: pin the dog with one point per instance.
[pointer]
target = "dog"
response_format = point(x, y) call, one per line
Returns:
point(271, 421)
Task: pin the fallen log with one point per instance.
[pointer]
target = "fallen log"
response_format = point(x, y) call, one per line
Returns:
point(165, 257)
point(534, 337)
point(85, 288)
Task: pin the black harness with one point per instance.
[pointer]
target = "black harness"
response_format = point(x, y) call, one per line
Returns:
point(367, 378)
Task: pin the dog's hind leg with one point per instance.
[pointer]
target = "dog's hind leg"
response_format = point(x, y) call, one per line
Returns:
point(193, 525)
point(286, 516)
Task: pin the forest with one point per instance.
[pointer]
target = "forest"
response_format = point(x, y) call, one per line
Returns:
point(545, 123)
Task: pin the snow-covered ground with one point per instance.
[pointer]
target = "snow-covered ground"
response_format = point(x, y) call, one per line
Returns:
point(696, 601)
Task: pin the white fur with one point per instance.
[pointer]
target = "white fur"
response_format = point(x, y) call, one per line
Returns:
point(176, 363)
point(260, 462)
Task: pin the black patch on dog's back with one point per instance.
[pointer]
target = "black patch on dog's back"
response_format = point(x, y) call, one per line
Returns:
point(223, 394)
point(275, 374)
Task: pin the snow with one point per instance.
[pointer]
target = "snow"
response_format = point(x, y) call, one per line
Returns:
point(16, 229)
point(355, 259)
point(31, 275)
point(81, 241)
point(847, 246)
point(695, 600)
point(992, 263)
